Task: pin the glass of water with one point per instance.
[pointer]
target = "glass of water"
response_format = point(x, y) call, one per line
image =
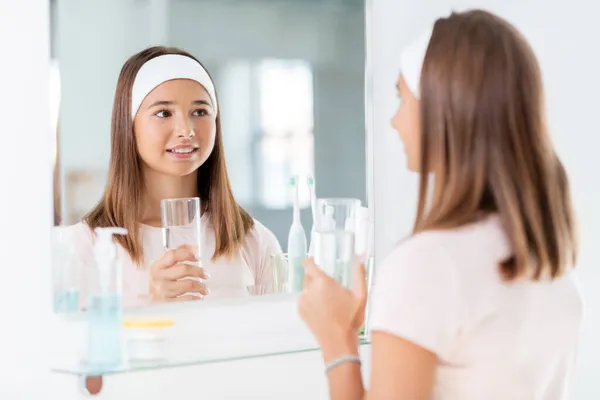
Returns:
point(334, 237)
point(181, 223)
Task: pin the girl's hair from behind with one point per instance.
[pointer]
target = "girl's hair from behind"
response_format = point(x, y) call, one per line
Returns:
point(484, 136)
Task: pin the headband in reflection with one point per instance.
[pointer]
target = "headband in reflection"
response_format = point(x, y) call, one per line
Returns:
point(165, 68)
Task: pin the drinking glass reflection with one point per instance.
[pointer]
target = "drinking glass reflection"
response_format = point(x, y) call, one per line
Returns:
point(335, 237)
point(181, 223)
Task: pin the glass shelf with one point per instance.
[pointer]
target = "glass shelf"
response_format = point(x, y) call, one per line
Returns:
point(179, 355)
point(186, 344)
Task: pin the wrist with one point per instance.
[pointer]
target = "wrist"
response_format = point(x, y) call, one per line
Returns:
point(342, 344)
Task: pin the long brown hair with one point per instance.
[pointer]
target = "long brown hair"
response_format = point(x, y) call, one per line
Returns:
point(484, 137)
point(120, 204)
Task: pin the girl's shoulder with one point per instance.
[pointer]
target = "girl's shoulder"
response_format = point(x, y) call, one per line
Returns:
point(262, 237)
point(79, 233)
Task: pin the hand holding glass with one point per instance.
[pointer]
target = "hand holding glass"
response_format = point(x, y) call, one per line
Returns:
point(181, 232)
point(181, 223)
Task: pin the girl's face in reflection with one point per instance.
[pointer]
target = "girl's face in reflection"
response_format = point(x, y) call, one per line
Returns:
point(407, 122)
point(175, 127)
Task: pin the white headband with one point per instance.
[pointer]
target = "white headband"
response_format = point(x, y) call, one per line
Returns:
point(165, 68)
point(411, 62)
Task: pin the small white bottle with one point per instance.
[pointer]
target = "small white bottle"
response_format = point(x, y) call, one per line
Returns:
point(297, 246)
point(361, 233)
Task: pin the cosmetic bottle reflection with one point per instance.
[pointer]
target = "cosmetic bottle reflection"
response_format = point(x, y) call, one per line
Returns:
point(105, 312)
point(64, 274)
point(335, 237)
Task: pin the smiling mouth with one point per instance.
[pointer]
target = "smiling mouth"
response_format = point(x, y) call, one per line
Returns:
point(183, 150)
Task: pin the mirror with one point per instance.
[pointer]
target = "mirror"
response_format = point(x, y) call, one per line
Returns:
point(289, 83)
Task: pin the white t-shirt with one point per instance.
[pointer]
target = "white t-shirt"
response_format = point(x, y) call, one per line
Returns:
point(495, 341)
point(229, 277)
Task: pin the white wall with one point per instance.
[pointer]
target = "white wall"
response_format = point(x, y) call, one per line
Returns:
point(25, 187)
point(564, 35)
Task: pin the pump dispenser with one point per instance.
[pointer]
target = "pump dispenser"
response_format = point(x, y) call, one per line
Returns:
point(328, 223)
point(105, 316)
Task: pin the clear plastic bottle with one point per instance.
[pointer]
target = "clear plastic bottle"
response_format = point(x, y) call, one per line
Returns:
point(104, 311)
point(297, 246)
point(64, 273)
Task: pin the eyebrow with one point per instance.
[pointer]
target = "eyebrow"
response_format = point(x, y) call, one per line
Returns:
point(170, 103)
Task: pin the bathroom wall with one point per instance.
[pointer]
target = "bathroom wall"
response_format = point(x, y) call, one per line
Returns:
point(25, 191)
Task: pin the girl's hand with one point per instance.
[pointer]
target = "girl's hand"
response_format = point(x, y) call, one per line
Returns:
point(333, 313)
point(169, 277)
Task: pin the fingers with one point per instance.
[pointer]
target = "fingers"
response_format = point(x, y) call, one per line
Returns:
point(187, 297)
point(306, 279)
point(181, 270)
point(311, 271)
point(359, 287)
point(161, 298)
point(360, 292)
point(178, 255)
point(178, 288)
point(302, 307)
point(168, 276)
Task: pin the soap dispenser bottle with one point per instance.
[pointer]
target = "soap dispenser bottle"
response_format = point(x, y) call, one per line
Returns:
point(104, 311)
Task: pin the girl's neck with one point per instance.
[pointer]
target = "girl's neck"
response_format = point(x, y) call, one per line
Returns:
point(159, 186)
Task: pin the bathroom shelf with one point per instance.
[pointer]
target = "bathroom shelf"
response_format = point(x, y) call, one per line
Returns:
point(202, 335)
point(178, 358)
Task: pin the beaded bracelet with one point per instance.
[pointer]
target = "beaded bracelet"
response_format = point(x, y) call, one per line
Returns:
point(341, 360)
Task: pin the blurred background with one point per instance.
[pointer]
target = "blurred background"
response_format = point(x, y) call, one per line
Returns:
point(289, 75)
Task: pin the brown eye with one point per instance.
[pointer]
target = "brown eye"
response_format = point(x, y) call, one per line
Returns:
point(201, 112)
point(163, 114)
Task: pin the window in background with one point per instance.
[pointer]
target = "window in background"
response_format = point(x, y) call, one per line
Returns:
point(286, 130)
point(268, 125)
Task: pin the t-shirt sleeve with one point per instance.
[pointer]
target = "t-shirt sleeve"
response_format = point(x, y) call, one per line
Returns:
point(416, 295)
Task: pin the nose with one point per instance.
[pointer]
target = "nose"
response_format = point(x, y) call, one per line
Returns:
point(184, 128)
point(189, 134)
